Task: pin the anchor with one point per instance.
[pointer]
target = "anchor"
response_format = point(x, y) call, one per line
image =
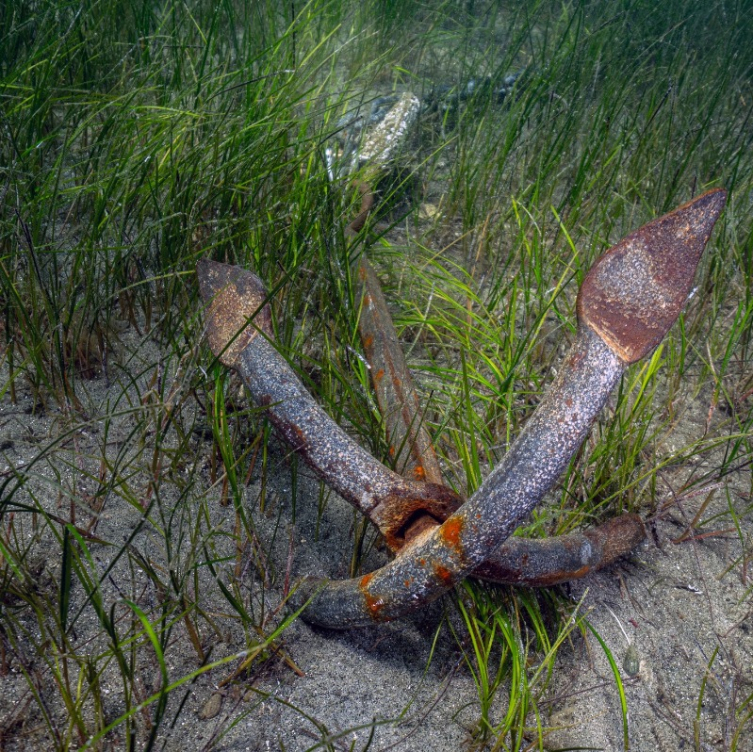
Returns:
point(627, 303)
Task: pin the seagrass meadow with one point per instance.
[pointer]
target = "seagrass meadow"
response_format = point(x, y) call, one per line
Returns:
point(153, 527)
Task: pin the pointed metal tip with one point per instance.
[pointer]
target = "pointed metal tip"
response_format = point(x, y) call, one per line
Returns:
point(234, 297)
point(634, 293)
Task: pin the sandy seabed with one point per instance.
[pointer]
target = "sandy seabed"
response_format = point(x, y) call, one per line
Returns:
point(398, 685)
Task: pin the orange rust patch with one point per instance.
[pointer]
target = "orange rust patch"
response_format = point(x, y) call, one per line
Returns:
point(301, 436)
point(367, 300)
point(374, 604)
point(451, 531)
point(368, 341)
point(378, 376)
point(558, 576)
point(365, 580)
point(419, 472)
point(443, 574)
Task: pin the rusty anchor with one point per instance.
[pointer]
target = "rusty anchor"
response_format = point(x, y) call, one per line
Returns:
point(626, 304)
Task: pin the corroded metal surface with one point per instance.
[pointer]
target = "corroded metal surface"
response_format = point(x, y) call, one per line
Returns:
point(550, 561)
point(635, 292)
point(614, 330)
point(401, 510)
point(235, 317)
point(396, 395)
